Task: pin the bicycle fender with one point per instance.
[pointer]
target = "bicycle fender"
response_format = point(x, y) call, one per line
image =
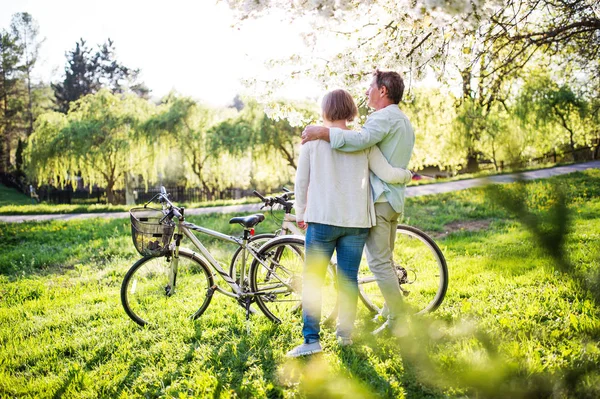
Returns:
point(283, 238)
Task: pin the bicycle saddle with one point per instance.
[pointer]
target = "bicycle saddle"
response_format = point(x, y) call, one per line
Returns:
point(248, 221)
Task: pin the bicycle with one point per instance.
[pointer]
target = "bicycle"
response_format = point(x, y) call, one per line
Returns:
point(171, 282)
point(419, 264)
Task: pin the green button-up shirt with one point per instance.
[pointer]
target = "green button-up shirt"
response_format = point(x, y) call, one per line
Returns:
point(389, 129)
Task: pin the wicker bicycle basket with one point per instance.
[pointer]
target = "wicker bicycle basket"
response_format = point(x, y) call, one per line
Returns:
point(150, 237)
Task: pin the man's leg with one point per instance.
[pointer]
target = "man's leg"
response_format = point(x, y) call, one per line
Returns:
point(349, 252)
point(379, 249)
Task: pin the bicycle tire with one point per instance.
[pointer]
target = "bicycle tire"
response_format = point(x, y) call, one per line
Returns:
point(146, 297)
point(259, 240)
point(275, 300)
point(426, 281)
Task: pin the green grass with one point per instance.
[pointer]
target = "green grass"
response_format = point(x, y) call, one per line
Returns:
point(63, 331)
point(488, 173)
point(10, 196)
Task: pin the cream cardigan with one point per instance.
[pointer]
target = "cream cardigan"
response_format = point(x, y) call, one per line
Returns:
point(332, 187)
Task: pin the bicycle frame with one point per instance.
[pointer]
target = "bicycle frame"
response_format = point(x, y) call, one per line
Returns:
point(185, 229)
point(288, 226)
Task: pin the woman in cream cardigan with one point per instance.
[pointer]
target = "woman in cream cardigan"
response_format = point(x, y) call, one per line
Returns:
point(335, 205)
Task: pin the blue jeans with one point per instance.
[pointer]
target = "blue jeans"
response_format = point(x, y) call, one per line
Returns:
point(321, 240)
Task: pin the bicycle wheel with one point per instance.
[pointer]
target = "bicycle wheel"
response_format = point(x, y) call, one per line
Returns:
point(278, 285)
point(148, 298)
point(421, 269)
point(256, 242)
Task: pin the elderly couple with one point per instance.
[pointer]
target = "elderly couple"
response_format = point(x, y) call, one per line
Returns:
point(350, 192)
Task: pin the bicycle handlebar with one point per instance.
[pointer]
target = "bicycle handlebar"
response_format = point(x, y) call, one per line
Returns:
point(173, 210)
point(259, 195)
point(280, 199)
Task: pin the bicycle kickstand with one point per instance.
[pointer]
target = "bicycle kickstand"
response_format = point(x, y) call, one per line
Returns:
point(247, 303)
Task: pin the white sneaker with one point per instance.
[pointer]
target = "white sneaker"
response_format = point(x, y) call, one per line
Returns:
point(344, 341)
point(305, 349)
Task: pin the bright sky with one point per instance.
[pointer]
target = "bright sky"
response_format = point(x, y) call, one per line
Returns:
point(189, 46)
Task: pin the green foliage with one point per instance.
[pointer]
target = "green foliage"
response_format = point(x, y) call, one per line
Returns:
point(11, 99)
point(26, 29)
point(185, 125)
point(459, 133)
point(280, 136)
point(255, 130)
point(561, 116)
point(432, 113)
point(99, 139)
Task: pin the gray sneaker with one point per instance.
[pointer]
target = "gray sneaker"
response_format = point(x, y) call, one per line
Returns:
point(344, 341)
point(305, 349)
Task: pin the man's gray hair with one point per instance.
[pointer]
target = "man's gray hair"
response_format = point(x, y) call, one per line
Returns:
point(393, 82)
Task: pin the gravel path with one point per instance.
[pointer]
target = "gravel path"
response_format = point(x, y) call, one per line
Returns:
point(434, 188)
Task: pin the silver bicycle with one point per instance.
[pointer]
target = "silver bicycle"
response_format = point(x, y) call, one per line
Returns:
point(419, 264)
point(172, 283)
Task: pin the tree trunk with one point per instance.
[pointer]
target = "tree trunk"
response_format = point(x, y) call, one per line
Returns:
point(110, 194)
point(472, 162)
point(288, 156)
point(5, 136)
point(129, 184)
point(29, 106)
point(494, 158)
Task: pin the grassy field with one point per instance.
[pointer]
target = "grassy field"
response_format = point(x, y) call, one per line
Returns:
point(512, 325)
point(10, 197)
point(427, 179)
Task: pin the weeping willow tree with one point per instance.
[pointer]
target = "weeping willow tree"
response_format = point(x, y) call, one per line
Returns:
point(265, 132)
point(99, 139)
point(185, 126)
point(559, 115)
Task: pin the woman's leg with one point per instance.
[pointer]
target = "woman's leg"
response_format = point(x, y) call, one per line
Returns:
point(349, 252)
point(320, 243)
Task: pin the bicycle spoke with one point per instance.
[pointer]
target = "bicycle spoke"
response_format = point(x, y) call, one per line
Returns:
point(278, 279)
point(148, 297)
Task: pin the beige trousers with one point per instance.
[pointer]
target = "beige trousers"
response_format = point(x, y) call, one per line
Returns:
point(380, 249)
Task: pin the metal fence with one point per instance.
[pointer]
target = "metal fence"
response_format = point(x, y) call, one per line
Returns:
point(97, 195)
point(193, 194)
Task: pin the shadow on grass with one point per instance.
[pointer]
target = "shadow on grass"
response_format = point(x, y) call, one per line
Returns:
point(102, 355)
point(236, 358)
point(127, 380)
point(358, 364)
point(252, 356)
